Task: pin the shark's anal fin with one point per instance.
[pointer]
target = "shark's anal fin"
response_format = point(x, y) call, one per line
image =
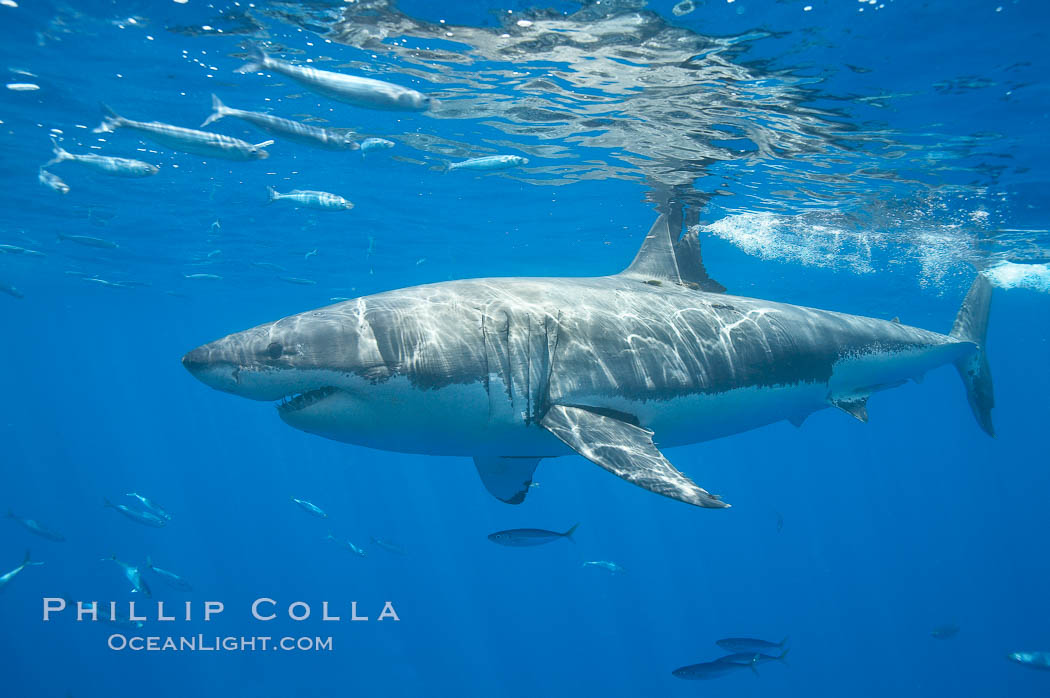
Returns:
point(625, 450)
point(506, 478)
point(854, 406)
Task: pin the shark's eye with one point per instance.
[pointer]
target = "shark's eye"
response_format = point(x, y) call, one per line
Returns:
point(275, 350)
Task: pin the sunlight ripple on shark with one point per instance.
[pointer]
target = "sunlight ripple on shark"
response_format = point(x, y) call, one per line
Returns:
point(512, 370)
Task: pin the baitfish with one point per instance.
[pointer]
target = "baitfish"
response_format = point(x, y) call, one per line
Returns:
point(1036, 660)
point(610, 567)
point(6, 578)
point(147, 518)
point(320, 200)
point(310, 508)
point(351, 89)
point(52, 181)
point(305, 134)
point(297, 281)
point(186, 140)
point(488, 163)
point(346, 543)
point(11, 291)
point(370, 144)
point(34, 526)
point(749, 644)
point(88, 241)
point(169, 578)
point(104, 164)
point(708, 670)
point(524, 537)
point(133, 575)
point(14, 249)
point(389, 545)
point(150, 505)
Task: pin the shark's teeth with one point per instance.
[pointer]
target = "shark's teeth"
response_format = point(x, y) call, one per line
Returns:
point(292, 403)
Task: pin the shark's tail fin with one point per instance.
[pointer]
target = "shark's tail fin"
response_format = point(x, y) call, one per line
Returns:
point(218, 110)
point(105, 500)
point(782, 657)
point(110, 122)
point(149, 562)
point(568, 534)
point(27, 562)
point(256, 60)
point(60, 155)
point(971, 325)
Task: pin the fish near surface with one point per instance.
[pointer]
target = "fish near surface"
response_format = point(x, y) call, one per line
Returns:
point(187, 140)
point(512, 370)
point(295, 131)
point(350, 89)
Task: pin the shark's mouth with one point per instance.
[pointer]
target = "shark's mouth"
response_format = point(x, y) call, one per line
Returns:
point(300, 401)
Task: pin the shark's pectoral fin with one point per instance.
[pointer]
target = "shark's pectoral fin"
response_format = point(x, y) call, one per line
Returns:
point(506, 478)
point(854, 406)
point(625, 450)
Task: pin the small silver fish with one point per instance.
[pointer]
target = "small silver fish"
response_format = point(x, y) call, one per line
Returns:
point(169, 578)
point(146, 518)
point(203, 277)
point(316, 136)
point(88, 241)
point(610, 567)
point(187, 140)
point(749, 645)
point(943, 632)
point(489, 163)
point(14, 249)
point(707, 670)
point(52, 181)
point(1035, 660)
point(11, 291)
point(297, 281)
point(388, 545)
point(134, 575)
point(320, 200)
point(310, 508)
point(34, 526)
point(346, 543)
point(350, 89)
point(311, 253)
point(150, 505)
point(6, 578)
point(104, 164)
point(370, 144)
point(524, 537)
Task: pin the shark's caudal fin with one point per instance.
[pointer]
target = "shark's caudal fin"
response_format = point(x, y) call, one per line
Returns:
point(666, 258)
point(971, 325)
point(506, 479)
point(218, 111)
point(626, 450)
point(568, 534)
point(27, 562)
point(256, 61)
point(110, 122)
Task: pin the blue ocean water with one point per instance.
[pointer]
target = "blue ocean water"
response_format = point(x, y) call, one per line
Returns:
point(862, 157)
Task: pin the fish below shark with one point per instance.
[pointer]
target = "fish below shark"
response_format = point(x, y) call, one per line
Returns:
point(509, 371)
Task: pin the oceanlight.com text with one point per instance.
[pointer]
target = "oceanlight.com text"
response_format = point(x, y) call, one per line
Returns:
point(215, 643)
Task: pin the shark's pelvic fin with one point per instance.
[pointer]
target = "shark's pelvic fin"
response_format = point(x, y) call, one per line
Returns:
point(853, 406)
point(625, 450)
point(665, 257)
point(506, 478)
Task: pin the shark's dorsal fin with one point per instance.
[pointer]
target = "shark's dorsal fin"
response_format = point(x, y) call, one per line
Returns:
point(666, 258)
point(656, 260)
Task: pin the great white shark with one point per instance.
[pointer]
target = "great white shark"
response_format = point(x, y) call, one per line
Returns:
point(509, 371)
